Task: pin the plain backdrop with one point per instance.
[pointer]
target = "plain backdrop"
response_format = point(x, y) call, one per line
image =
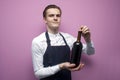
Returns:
point(21, 21)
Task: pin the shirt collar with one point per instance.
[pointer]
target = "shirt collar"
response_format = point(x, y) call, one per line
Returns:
point(53, 35)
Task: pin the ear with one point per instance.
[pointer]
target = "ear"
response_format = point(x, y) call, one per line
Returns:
point(44, 19)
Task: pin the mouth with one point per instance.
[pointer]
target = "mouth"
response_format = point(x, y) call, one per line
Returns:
point(56, 22)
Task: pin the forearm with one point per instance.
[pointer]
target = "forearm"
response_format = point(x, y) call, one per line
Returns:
point(88, 48)
point(39, 70)
point(48, 71)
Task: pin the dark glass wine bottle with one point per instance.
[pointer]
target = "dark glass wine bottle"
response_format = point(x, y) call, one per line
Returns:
point(76, 50)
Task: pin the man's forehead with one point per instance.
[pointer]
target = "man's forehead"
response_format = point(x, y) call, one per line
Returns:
point(53, 11)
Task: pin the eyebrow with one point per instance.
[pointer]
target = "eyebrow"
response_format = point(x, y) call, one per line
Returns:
point(58, 15)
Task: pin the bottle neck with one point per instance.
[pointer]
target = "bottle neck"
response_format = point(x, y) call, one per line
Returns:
point(79, 36)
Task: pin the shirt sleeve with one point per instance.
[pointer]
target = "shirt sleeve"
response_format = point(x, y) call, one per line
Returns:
point(88, 48)
point(39, 69)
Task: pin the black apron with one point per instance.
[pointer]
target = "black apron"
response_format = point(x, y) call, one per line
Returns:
point(55, 55)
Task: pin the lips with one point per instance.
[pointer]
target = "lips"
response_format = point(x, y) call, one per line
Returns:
point(56, 22)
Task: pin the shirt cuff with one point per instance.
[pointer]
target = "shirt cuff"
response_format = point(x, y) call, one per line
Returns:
point(90, 43)
point(57, 68)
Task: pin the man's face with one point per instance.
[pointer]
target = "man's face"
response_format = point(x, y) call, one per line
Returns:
point(53, 18)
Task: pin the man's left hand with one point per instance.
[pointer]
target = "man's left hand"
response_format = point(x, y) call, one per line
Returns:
point(85, 33)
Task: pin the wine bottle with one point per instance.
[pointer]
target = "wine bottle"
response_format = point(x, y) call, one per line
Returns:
point(76, 50)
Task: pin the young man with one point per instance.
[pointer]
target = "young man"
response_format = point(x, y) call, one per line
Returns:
point(51, 49)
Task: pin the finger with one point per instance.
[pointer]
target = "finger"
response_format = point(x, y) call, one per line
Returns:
point(75, 69)
point(81, 27)
point(82, 65)
point(86, 32)
point(85, 29)
point(71, 65)
point(78, 68)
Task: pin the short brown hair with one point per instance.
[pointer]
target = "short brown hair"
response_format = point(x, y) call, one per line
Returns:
point(51, 6)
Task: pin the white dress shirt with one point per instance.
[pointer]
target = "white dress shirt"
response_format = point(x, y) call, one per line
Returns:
point(39, 47)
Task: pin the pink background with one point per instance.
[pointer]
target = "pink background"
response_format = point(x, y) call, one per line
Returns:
point(21, 21)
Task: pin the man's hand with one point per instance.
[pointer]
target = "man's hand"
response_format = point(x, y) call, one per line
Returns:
point(69, 66)
point(81, 65)
point(85, 33)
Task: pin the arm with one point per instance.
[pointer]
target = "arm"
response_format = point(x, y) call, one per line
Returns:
point(88, 48)
point(39, 69)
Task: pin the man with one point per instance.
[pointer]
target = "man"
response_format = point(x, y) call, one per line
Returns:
point(51, 49)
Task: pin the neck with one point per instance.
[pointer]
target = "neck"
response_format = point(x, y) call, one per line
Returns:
point(53, 31)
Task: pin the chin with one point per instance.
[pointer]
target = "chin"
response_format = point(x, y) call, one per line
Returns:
point(56, 26)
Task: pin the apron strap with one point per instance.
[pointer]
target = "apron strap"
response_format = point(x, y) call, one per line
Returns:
point(63, 39)
point(48, 39)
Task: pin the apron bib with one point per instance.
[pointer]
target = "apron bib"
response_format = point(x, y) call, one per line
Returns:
point(55, 55)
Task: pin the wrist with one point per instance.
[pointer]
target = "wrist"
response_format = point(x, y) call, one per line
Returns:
point(61, 66)
point(88, 40)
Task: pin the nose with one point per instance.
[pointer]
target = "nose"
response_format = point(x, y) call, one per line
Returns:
point(55, 18)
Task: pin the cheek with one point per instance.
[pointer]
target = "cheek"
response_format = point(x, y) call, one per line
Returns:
point(59, 19)
point(48, 21)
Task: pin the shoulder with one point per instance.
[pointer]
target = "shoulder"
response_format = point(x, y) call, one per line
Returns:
point(67, 35)
point(39, 39)
point(69, 39)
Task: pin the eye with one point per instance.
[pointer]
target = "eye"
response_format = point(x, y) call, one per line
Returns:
point(58, 15)
point(51, 15)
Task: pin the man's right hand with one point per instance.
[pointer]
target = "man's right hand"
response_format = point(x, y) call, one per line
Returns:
point(69, 66)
